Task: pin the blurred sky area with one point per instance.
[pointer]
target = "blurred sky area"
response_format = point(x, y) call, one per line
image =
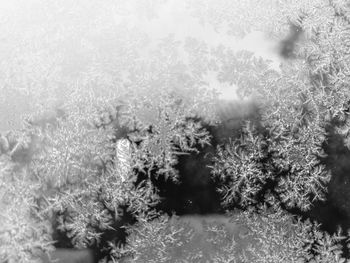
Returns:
point(33, 32)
